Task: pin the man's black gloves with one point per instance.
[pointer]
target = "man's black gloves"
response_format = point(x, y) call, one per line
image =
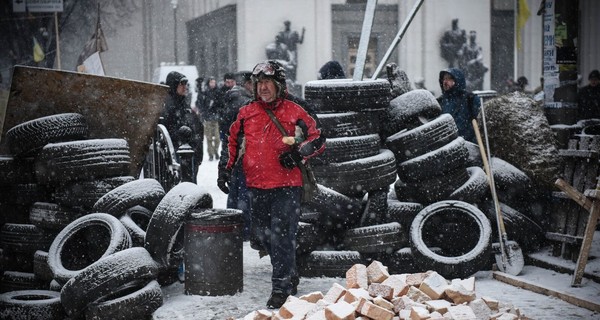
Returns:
point(290, 159)
point(224, 179)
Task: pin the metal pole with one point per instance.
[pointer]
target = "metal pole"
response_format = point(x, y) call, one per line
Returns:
point(57, 40)
point(175, 31)
point(399, 36)
point(363, 46)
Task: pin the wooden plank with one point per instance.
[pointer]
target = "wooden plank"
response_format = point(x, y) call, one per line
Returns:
point(586, 244)
point(554, 236)
point(537, 288)
point(574, 194)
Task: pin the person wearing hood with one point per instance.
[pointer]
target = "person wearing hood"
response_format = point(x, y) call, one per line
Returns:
point(177, 113)
point(588, 98)
point(461, 104)
point(270, 162)
point(331, 70)
point(210, 116)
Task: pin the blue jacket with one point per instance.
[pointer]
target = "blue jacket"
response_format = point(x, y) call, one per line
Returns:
point(460, 103)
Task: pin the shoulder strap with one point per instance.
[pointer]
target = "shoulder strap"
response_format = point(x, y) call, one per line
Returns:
point(276, 121)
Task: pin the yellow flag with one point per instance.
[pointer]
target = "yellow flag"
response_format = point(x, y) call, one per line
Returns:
point(522, 17)
point(38, 52)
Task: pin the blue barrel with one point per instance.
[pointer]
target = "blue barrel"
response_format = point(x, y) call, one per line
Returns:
point(213, 252)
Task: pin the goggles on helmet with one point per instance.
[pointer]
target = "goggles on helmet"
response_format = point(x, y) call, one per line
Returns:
point(265, 68)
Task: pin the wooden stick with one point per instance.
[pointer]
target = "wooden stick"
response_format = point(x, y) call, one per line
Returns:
point(574, 194)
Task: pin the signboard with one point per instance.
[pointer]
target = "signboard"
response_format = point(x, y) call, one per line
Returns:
point(38, 5)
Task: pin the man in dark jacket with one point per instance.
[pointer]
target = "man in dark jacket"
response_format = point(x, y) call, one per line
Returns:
point(270, 163)
point(461, 104)
point(177, 113)
point(237, 198)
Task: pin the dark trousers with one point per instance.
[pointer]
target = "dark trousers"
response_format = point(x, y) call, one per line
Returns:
point(238, 197)
point(275, 215)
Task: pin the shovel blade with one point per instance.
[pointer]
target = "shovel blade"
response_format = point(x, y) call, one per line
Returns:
point(514, 262)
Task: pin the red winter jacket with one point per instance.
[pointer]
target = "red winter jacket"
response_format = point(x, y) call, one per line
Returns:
point(264, 142)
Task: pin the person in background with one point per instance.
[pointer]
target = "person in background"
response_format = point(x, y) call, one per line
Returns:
point(210, 116)
point(270, 163)
point(177, 113)
point(331, 70)
point(461, 104)
point(237, 192)
point(588, 98)
point(228, 83)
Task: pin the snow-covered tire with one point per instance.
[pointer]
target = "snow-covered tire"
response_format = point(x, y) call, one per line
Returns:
point(336, 205)
point(31, 305)
point(343, 95)
point(328, 263)
point(85, 241)
point(30, 136)
point(24, 238)
point(16, 280)
point(136, 221)
point(355, 178)
point(309, 237)
point(102, 277)
point(474, 159)
point(382, 238)
point(142, 192)
point(434, 163)
point(438, 188)
point(422, 139)
point(41, 268)
point(136, 300)
point(168, 218)
point(85, 193)
point(462, 232)
point(16, 171)
point(376, 208)
point(410, 110)
point(349, 148)
point(82, 160)
point(474, 189)
point(519, 227)
point(46, 215)
point(402, 212)
point(347, 124)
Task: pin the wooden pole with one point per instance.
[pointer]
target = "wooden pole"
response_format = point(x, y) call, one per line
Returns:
point(57, 40)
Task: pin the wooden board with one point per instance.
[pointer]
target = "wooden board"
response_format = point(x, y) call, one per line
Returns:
point(538, 288)
point(113, 107)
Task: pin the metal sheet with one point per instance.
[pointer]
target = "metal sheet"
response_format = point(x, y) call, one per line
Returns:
point(113, 107)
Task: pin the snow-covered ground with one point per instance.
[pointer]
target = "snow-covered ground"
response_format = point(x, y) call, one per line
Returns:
point(257, 284)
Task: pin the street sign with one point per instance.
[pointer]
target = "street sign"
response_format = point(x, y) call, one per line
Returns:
point(44, 5)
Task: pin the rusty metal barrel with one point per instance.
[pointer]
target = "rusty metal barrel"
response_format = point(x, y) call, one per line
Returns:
point(214, 252)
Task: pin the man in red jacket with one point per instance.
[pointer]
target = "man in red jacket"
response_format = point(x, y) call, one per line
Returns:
point(270, 163)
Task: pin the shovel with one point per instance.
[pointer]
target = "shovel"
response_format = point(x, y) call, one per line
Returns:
point(508, 254)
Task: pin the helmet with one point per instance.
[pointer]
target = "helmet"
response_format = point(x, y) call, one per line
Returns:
point(273, 70)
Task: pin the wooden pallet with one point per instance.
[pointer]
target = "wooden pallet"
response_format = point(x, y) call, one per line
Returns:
point(569, 218)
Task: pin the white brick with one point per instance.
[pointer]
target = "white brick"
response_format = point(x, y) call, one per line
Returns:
point(418, 313)
point(398, 282)
point(461, 312)
point(434, 285)
point(295, 308)
point(480, 308)
point(377, 272)
point(313, 296)
point(440, 306)
point(335, 293)
point(356, 277)
point(340, 311)
point(353, 295)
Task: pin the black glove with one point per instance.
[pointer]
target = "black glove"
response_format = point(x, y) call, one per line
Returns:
point(290, 159)
point(224, 179)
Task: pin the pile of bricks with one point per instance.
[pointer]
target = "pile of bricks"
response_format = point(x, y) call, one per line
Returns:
point(372, 293)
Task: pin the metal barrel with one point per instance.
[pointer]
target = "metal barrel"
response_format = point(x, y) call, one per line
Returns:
point(214, 252)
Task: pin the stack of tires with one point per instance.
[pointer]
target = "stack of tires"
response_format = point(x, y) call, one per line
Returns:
point(354, 175)
point(81, 236)
point(440, 189)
